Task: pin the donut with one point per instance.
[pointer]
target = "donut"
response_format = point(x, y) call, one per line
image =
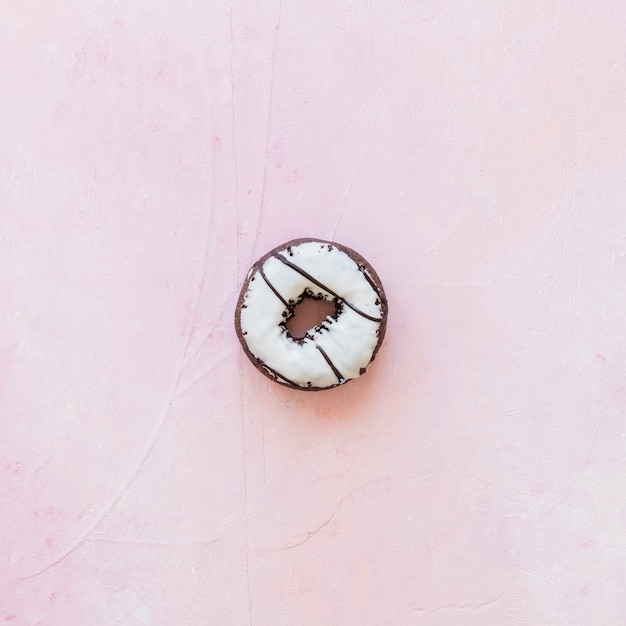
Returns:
point(343, 346)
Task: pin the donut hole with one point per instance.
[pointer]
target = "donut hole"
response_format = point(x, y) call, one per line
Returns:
point(309, 313)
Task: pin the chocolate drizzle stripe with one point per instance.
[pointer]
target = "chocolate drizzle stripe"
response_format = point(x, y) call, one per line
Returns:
point(337, 373)
point(368, 278)
point(269, 284)
point(304, 273)
point(278, 374)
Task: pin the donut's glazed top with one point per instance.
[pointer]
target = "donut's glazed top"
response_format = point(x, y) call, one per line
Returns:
point(338, 350)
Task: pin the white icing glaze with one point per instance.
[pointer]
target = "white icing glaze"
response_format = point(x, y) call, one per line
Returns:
point(348, 341)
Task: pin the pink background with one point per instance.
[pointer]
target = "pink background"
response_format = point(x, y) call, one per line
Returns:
point(474, 152)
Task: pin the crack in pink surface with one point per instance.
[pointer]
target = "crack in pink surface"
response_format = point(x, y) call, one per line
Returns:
point(152, 440)
point(205, 374)
point(270, 107)
point(310, 534)
point(190, 613)
point(463, 608)
point(357, 169)
point(156, 430)
point(238, 236)
point(458, 608)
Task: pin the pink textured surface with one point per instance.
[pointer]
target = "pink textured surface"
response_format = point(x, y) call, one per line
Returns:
point(473, 151)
